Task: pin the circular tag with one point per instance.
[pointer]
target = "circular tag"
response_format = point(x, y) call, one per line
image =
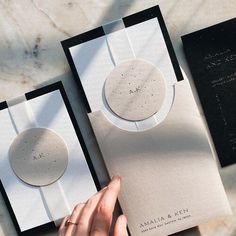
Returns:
point(135, 90)
point(38, 156)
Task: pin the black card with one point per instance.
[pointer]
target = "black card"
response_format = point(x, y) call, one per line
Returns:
point(211, 55)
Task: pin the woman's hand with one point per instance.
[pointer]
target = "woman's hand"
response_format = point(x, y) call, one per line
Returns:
point(94, 217)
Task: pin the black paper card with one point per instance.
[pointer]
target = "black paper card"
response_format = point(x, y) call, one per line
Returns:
point(211, 55)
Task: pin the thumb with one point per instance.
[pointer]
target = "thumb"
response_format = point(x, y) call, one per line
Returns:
point(121, 226)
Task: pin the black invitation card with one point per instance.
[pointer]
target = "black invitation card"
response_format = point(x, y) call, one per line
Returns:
point(211, 55)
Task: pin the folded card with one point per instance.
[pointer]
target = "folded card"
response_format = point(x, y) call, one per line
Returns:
point(147, 124)
point(45, 169)
point(211, 55)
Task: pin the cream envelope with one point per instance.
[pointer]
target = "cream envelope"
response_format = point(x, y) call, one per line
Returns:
point(158, 146)
point(170, 180)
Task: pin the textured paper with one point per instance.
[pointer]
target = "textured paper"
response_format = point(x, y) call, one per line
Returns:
point(38, 156)
point(135, 90)
point(170, 180)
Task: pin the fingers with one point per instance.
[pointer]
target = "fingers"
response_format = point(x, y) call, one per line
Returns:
point(95, 216)
point(104, 210)
point(121, 226)
point(63, 227)
point(74, 218)
point(86, 217)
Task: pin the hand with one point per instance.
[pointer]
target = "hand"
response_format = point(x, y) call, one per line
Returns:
point(94, 217)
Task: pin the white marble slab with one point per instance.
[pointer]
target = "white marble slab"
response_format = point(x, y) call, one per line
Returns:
point(31, 54)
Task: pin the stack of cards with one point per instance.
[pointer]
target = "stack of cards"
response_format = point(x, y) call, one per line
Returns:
point(147, 124)
point(45, 169)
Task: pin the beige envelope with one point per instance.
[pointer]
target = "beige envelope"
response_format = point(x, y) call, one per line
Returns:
point(170, 180)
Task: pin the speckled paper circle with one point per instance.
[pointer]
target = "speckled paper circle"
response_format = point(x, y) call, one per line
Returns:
point(135, 90)
point(38, 156)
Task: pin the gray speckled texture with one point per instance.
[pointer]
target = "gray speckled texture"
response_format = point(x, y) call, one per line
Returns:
point(38, 156)
point(135, 90)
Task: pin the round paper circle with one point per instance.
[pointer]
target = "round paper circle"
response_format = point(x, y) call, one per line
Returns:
point(135, 90)
point(38, 156)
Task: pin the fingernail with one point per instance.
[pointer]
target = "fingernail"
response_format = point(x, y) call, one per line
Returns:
point(114, 181)
point(123, 220)
point(115, 178)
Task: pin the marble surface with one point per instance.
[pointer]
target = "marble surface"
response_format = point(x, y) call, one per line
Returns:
point(31, 56)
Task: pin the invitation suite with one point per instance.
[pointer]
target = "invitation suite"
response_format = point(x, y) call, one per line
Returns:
point(147, 124)
point(211, 55)
point(45, 169)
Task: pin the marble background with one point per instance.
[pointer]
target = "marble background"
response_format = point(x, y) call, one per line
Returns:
point(31, 56)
